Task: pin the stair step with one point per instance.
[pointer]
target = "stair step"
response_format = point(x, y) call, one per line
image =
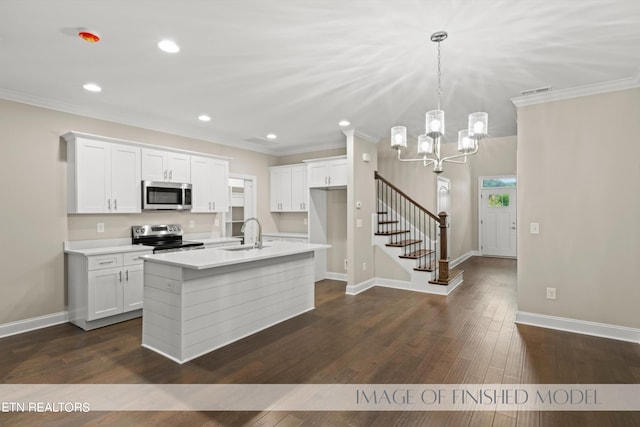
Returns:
point(429, 267)
point(417, 254)
point(391, 233)
point(388, 222)
point(403, 243)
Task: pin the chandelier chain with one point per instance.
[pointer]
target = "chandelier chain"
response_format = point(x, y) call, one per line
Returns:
point(439, 92)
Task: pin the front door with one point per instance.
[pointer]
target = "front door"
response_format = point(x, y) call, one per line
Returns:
point(498, 221)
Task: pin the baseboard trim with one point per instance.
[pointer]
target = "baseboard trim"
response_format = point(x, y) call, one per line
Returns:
point(360, 287)
point(463, 258)
point(335, 276)
point(26, 325)
point(603, 330)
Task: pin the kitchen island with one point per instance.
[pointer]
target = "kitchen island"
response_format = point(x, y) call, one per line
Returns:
point(198, 301)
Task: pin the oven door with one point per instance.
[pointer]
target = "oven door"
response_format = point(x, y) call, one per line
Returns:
point(166, 195)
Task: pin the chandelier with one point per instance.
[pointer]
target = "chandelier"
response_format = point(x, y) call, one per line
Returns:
point(429, 143)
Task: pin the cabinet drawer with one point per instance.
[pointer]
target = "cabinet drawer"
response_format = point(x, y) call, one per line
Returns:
point(104, 261)
point(133, 258)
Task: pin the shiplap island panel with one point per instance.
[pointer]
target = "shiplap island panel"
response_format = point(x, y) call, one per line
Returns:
point(198, 301)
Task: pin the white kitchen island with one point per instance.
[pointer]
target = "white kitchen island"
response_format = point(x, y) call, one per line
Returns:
point(198, 301)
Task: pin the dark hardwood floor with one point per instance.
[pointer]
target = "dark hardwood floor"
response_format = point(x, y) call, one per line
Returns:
point(380, 336)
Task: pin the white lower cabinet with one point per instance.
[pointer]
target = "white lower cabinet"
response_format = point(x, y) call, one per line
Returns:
point(105, 289)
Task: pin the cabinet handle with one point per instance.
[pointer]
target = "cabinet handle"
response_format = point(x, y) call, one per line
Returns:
point(209, 205)
point(105, 262)
point(329, 180)
point(121, 276)
point(165, 174)
point(109, 204)
point(115, 204)
point(214, 206)
point(170, 175)
point(126, 275)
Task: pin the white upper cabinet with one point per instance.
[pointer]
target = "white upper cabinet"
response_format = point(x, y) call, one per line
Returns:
point(299, 189)
point(328, 173)
point(165, 166)
point(209, 178)
point(288, 191)
point(102, 177)
point(280, 189)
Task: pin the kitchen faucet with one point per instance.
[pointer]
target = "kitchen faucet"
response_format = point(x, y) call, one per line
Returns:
point(258, 243)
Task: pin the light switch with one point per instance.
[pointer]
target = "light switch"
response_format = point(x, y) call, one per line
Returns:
point(534, 228)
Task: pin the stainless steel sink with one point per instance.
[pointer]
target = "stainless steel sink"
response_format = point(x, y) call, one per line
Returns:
point(243, 248)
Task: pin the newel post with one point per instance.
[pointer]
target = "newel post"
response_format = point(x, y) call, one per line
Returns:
point(443, 262)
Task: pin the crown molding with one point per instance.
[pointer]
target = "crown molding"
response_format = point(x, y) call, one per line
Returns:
point(586, 90)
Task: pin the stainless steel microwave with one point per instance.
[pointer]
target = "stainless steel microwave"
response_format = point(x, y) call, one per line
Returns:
point(157, 195)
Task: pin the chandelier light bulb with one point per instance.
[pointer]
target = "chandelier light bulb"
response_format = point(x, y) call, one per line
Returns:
point(478, 125)
point(435, 123)
point(398, 137)
point(425, 145)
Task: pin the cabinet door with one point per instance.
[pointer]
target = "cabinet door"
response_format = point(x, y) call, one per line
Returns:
point(154, 165)
point(93, 176)
point(125, 179)
point(337, 173)
point(104, 293)
point(280, 189)
point(219, 185)
point(132, 287)
point(299, 189)
point(318, 175)
point(178, 167)
point(201, 180)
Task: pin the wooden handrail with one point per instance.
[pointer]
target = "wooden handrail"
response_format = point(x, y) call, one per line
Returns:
point(403, 194)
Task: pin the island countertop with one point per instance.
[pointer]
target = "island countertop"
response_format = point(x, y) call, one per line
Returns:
point(217, 257)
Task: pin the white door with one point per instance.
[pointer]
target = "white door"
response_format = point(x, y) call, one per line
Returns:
point(443, 204)
point(498, 221)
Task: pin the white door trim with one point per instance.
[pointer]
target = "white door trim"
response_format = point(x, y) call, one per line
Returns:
point(254, 180)
point(480, 179)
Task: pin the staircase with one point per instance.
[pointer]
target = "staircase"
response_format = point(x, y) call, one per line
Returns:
point(408, 231)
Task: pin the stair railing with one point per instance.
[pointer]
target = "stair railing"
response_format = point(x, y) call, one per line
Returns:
point(411, 226)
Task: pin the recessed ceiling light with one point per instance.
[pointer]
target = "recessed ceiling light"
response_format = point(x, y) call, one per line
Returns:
point(204, 118)
point(168, 46)
point(344, 123)
point(272, 136)
point(92, 87)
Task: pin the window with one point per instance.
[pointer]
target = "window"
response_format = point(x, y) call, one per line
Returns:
point(498, 182)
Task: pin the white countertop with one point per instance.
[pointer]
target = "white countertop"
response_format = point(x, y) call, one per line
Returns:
point(110, 246)
point(285, 234)
point(218, 257)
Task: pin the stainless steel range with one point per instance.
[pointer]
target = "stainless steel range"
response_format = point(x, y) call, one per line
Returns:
point(163, 238)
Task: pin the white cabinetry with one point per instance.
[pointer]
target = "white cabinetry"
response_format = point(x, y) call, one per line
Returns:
point(288, 188)
point(102, 177)
point(328, 173)
point(209, 178)
point(165, 166)
point(105, 289)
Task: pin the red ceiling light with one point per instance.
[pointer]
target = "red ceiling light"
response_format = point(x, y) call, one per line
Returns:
point(88, 37)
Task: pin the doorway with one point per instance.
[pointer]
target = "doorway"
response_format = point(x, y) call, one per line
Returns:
point(443, 204)
point(242, 196)
point(497, 216)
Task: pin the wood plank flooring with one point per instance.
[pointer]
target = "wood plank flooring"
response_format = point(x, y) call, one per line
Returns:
point(380, 336)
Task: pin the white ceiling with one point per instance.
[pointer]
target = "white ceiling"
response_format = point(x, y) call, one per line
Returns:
point(298, 67)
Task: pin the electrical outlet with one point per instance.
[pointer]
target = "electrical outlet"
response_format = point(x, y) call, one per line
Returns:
point(100, 227)
point(534, 228)
point(306, 221)
point(192, 223)
point(364, 266)
point(216, 223)
point(551, 293)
